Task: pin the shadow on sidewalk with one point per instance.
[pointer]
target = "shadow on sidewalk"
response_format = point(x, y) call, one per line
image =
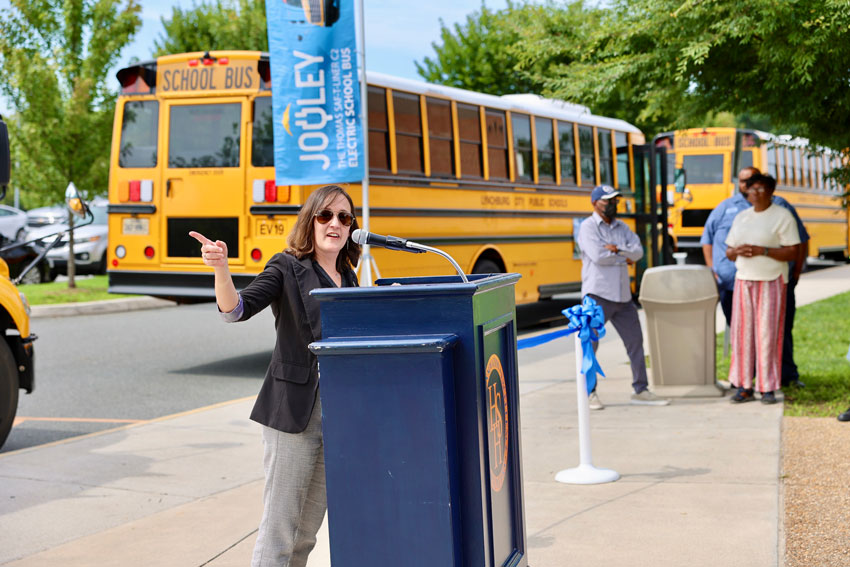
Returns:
point(246, 366)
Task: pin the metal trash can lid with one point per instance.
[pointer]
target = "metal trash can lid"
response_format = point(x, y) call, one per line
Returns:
point(678, 284)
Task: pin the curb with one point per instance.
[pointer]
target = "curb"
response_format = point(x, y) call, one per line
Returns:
point(98, 307)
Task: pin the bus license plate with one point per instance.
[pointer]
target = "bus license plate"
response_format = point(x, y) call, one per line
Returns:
point(136, 226)
point(266, 227)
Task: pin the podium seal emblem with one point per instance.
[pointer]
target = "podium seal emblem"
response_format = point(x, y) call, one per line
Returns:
point(497, 422)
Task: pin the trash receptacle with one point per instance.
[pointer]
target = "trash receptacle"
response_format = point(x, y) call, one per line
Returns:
point(680, 303)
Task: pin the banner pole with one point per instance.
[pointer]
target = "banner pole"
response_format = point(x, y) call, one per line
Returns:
point(366, 260)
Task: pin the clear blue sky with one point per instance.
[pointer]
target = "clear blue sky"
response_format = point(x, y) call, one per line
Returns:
point(395, 37)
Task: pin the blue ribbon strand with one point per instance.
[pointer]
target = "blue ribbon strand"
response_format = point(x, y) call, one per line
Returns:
point(588, 320)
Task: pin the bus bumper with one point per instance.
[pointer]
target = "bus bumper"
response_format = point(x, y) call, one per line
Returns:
point(188, 285)
point(24, 353)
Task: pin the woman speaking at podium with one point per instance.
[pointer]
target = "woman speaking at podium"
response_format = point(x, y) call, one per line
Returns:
point(319, 254)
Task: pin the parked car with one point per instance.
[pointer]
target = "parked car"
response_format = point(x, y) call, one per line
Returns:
point(13, 223)
point(19, 258)
point(42, 216)
point(90, 243)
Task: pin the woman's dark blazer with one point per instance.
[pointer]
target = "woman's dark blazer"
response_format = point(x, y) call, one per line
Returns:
point(285, 401)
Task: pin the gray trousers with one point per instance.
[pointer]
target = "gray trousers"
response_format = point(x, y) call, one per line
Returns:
point(624, 317)
point(294, 498)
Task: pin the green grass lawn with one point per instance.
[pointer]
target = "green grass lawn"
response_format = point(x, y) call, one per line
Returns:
point(88, 289)
point(821, 340)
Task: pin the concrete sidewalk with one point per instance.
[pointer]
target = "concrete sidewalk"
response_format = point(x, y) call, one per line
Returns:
point(700, 480)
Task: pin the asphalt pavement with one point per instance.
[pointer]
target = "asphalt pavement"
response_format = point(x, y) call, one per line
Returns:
point(699, 485)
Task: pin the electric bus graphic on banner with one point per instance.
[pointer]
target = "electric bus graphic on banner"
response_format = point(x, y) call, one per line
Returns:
point(318, 136)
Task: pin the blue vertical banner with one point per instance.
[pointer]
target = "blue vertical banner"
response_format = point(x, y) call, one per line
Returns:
point(318, 134)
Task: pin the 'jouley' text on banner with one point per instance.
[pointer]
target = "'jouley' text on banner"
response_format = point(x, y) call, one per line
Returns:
point(315, 92)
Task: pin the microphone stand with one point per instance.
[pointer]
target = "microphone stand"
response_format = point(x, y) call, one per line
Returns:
point(417, 246)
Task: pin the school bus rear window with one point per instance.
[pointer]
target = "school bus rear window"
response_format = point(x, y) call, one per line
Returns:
point(204, 135)
point(262, 139)
point(139, 127)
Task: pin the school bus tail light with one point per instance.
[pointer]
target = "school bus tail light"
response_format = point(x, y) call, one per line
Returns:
point(265, 191)
point(149, 252)
point(270, 191)
point(256, 254)
point(137, 190)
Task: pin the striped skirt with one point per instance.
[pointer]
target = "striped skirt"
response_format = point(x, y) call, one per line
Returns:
point(758, 319)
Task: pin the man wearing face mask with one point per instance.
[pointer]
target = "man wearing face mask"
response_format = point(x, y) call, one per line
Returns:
point(608, 247)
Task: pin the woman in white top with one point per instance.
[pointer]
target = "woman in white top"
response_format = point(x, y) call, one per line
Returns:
point(761, 242)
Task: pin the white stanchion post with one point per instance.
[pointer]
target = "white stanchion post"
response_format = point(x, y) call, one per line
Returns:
point(585, 472)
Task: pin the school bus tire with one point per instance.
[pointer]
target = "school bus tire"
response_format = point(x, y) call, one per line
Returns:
point(8, 390)
point(487, 266)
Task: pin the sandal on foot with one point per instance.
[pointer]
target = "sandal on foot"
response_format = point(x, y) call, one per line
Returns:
point(743, 395)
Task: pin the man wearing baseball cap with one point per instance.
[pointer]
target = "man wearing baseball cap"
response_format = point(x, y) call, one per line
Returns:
point(607, 248)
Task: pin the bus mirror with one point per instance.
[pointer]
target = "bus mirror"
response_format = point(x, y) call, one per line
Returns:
point(76, 204)
point(680, 179)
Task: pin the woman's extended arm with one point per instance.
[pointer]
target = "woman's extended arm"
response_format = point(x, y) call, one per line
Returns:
point(214, 255)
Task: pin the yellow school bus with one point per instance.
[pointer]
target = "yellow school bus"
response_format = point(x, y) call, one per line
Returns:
point(500, 183)
point(711, 158)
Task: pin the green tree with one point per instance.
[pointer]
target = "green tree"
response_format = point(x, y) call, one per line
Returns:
point(679, 60)
point(54, 60)
point(224, 24)
point(474, 55)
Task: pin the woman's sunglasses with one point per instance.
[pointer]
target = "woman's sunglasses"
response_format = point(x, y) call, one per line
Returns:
point(325, 215)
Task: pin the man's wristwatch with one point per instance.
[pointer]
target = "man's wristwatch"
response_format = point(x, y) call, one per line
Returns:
point(765, 250)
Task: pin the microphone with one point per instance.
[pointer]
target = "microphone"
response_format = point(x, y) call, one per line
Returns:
point(361, 237)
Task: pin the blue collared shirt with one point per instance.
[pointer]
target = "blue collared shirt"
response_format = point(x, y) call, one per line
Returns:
point(603, 272)
point(717, 229)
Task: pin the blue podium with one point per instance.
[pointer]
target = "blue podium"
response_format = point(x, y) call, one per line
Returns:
point(420, 415)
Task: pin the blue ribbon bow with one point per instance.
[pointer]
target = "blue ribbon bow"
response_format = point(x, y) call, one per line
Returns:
point(588, 320)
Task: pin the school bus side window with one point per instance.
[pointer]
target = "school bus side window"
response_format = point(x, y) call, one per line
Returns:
point(825, 172)
point(521, 125)
point(408, 132)
point(585, 152)
point(794, 166)
point(469, 131)
point(545, 150)
point(497, 144)
point(622, 144)
point(204, 135)
point(379, 133)
point(816, 164)
point(804, 167)
point(606, 157)
point(771, 162)
point(567, 151)
point(139, 128)
point(830, 183)
point(262, 139)
point(440, 138)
